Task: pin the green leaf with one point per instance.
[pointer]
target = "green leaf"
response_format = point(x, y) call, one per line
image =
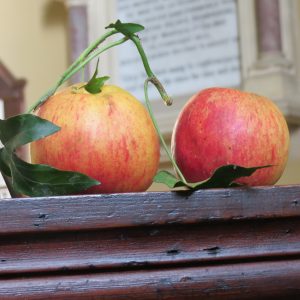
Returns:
point(22, 129)
point(128, 29)
point(4, 167)
point(94, 86)
point(34, 179)
point(43, 180)
point(222, 177)
point(168, 179)
point(225, 176)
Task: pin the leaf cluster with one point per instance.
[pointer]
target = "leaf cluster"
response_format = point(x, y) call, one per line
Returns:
point(43, 180)
point(35, 179)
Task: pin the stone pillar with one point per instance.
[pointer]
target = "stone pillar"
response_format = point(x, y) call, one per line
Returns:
point(268, 26)
point(78, 34)
point(269, 39)
point(272, 71)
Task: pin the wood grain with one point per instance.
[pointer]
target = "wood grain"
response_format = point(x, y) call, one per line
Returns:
point(144, 247)
point(127, 210)
point(239, 243)
point(267, 280)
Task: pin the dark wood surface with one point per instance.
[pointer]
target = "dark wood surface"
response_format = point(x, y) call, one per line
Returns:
point(241, 243)
point(33, 215)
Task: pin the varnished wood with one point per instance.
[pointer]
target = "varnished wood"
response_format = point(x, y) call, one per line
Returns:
point(142, 209)
point(150, 246)
point(267, 280)
point(241, 243)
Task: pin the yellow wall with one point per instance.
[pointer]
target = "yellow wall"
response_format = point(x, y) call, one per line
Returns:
point(33, 42)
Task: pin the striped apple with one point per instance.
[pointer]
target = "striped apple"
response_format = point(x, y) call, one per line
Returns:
point(221, 126)
point(108, 136)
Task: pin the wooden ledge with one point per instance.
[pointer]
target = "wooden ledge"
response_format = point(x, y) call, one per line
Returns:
point(239, 243)
point(144, 209)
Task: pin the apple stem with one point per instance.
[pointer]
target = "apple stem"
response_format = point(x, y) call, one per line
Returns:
point(164, 144)
point(85, 57)
point(151, 77)
point(91, 52)
point(165, 97)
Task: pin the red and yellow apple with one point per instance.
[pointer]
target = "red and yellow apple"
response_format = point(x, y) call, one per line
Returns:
point(108, 136)
point(221, 126)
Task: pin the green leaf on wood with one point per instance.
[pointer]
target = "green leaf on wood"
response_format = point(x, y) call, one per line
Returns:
point(168, 179)
point(226, 175)
point(33, 179)
point(94, 86)
point(222, 177)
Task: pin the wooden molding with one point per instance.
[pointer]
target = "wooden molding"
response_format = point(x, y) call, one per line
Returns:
point(240, 243)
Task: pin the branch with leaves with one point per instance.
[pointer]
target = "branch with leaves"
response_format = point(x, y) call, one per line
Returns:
point(42, 180)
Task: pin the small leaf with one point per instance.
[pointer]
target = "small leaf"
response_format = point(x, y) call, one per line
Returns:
point(29, 179)
point(94, 86)
point(168, 179)
point(43, 180)
point(4, 167)
point(22, 129)
point(225, 176)
point(222, 177)
point(128, 29)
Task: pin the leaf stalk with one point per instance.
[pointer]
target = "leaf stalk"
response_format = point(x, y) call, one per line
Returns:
point(85, 57)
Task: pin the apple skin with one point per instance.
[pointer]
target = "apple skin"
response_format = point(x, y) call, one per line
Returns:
point(108, 136)
point(221, 126)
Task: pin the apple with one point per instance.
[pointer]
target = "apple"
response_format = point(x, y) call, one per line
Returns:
point(221, 126)
point(108, 136)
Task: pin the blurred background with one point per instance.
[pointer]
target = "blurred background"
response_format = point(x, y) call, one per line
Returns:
point(252, 45)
